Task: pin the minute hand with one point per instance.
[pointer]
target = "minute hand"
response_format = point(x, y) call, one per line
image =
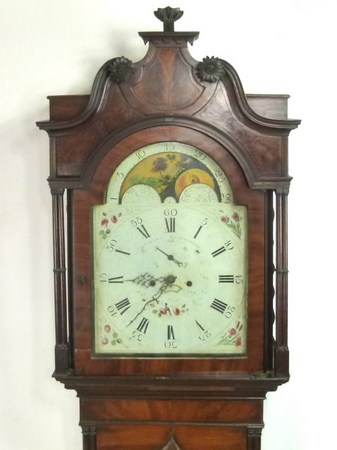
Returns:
point(168, 281)
point(170, 257)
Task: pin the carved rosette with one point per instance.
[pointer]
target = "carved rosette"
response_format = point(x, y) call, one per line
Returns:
point(119, 68)
point(211, 69)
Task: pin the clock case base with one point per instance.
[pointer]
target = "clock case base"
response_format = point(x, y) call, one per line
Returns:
point(168, 410)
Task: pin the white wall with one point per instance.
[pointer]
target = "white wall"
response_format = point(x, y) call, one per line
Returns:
point(56, 47)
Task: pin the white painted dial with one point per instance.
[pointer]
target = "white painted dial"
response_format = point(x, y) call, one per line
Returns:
point(170, 277)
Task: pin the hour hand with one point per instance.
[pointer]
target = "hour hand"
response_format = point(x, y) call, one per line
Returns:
point(170, 257)
point(146, 280)
point(167, 284)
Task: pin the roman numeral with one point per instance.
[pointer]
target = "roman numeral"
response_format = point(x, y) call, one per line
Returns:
point(123, 305)
point(205, 334)
point(200, 326)
point(144, 323)
point(143, 231)
point(122, 251)
point(116, 279)
point(198, 231)
point(219, 306)
point(226, 278)
point(170, 332)
point(170, 224)
point(218, 251)
point(227, 246)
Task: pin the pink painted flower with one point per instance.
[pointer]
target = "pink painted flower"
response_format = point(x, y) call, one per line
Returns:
point(224, 219)
point(236, 217)
point(238, 341)
point(105, 341)
point(232, 331)
point(176, 311)
point(107, 328)
point(114, 219)
point(104, 222)
point(163, 311)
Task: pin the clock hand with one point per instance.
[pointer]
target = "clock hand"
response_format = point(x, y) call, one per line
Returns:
point(167, 281)
point(146, 280)
point(170, 257)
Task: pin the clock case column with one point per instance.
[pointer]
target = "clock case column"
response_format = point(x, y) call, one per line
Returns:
point(167, 96)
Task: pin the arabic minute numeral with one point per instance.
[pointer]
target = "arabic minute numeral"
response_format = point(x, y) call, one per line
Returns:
point(170, 212)
point(112, 248)
point(220, 176)
point(230, 310)
point(111, 310)
point(199, 155)
point(140, 154)
point(111, 245)
point(227, 198)
point(103, 278)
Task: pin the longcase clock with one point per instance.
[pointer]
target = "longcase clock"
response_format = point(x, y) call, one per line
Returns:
point(169, 189)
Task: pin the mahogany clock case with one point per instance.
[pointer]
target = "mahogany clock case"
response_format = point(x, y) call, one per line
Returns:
point(164, 401)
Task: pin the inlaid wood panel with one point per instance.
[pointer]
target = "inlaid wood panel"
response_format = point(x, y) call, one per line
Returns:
point(159, 438)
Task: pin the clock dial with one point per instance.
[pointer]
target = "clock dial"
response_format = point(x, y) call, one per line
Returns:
point(170, 275)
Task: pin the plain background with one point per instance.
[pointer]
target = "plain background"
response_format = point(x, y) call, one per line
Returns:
point(56, 47)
